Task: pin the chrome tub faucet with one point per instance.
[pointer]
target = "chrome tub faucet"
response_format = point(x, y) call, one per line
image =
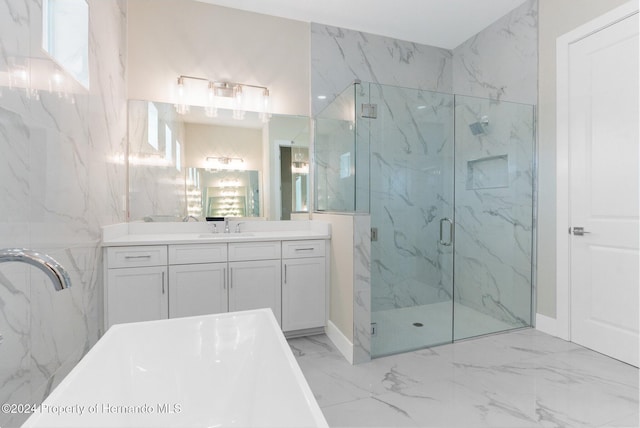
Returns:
point(54, 270)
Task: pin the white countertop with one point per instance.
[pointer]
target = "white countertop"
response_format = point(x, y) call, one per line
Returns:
point(127, 234)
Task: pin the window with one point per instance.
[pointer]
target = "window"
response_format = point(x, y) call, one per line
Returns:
point(65, 35)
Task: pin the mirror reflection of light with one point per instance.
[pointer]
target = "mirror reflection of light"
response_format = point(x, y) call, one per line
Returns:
point(225, 163)
point(141, 159)
point(39, 75)
point(20, 74)
point(230, 183)
point(302, 169)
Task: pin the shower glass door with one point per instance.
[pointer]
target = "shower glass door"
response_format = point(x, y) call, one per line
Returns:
point(494, 155)
point(410, 187)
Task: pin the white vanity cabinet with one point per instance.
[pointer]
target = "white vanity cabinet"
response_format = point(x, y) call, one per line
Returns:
point(197, 279)
point(255, 277)
point(150, 282)
point(303, 285)
point(137, 284)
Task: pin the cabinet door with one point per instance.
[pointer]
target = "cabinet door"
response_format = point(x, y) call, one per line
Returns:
point(197, 289)
point(303, 293)
point(255, 285)
point(137, 294)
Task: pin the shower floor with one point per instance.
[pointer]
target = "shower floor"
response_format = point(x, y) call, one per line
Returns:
point(396, 332)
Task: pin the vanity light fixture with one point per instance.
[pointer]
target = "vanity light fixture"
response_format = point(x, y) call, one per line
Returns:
point(238, 111)
point(299, 165)
point(264, 114)
point(211, 109)
point(224, 160)
point(181, 106)
point(217, 91)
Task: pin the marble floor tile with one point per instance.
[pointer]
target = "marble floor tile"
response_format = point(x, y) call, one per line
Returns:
point(523, 378)
point(311, 345)
point(626, 422)
point(367, 412)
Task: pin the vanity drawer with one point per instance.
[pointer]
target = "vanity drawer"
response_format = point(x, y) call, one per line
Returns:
point(267, 250)
point(122, 257)
point(197, 253)
point(302, 249)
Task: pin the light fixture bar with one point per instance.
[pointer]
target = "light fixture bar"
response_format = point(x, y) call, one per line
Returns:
point(221, 89)
point(223, 85)
point(223, 159)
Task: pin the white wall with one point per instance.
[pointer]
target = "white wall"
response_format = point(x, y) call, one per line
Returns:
point(168, 38)
point(556, 17)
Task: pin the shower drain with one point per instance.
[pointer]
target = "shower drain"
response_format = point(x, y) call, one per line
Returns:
point(418, 324)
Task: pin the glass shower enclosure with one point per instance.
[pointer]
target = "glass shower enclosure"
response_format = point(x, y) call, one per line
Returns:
point(448, 183)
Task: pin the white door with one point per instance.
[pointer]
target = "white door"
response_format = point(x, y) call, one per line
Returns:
point(604, 188)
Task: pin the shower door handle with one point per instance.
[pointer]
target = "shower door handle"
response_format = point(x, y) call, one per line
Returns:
point(442, 241)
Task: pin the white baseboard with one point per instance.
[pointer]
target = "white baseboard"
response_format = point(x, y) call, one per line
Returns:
point(547, 324)
point(340, 341)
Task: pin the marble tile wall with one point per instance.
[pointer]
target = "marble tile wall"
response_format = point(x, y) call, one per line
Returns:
point(500, 63)
point(494, 223)
point(60, 183)
point(156, 186)
point(339, 56)
point(362, 289)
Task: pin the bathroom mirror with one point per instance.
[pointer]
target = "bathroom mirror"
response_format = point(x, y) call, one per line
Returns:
point(236, 164)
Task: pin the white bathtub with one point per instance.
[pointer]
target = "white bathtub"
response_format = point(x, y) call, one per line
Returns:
point(232, 369)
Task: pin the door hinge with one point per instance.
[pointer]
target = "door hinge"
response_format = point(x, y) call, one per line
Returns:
point(374, 234)
point(369, 111)
point(374, 329)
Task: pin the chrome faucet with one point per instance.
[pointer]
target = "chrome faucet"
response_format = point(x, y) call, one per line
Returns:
point(238, 227)
point(226, 226)
point(45, 263)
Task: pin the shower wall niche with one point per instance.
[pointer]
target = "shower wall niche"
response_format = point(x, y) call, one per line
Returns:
point(448, 183)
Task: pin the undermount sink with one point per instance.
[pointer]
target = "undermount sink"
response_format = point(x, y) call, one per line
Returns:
point(224, 235)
